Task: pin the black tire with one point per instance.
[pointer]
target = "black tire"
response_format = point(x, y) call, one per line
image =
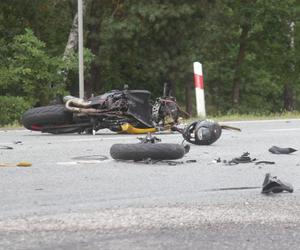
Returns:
point(34, 118)
point(142, 151)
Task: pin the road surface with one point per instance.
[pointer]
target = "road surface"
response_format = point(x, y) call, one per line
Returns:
point(74, 196)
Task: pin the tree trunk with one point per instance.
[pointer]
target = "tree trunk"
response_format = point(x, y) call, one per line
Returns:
point(238, 65)
point(188, 96)
point(93, 84)
point(72, 43)
point(288, 98)
point(289, 95)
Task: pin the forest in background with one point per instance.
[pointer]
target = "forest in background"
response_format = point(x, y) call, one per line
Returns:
point(248, 48)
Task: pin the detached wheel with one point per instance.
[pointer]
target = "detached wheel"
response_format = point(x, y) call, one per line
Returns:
point(35, 118)
point(142, 151)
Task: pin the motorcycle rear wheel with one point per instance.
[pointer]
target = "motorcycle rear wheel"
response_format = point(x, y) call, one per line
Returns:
point(36, 118)
point(142, 151)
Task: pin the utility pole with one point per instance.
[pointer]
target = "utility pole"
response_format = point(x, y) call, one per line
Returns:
point(80, 50)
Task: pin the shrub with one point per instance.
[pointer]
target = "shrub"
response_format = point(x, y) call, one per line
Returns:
point(11, 109)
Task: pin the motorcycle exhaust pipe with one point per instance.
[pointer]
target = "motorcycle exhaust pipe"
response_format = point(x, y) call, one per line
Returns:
point(78, 105)
point(77, 101)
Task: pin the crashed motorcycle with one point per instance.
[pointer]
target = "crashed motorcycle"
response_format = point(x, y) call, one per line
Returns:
point(128, 111)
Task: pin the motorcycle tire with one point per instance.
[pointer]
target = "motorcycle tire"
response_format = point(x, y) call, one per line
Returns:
point(35, 118)
point(143, 151)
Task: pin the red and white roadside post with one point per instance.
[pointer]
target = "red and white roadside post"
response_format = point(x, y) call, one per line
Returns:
point(199, 89)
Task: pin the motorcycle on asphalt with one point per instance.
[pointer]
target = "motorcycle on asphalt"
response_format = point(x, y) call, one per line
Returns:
point(127, 111)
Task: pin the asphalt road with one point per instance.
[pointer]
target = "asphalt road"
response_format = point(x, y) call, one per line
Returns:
point(74, 196)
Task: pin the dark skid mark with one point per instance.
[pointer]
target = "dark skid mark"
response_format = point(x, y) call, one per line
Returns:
point(231, 188)
point(6, 147)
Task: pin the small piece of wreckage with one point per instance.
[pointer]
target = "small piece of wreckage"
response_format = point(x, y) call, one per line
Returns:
point(278, 150)
point(273, 185)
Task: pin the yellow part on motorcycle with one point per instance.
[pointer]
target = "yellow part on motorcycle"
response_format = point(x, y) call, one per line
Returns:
point(129, 129)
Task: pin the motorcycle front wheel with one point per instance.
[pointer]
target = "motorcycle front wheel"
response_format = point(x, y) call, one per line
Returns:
point(36, 118)
point(143, 151)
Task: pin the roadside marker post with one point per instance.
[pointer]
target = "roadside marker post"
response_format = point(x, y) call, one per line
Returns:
point(199, 89)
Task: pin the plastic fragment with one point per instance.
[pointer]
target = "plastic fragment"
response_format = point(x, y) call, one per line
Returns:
point(191, 161)
point(19, 164)
point(273, 185)
point(18, 142)
point(278, 150)
point(24, 164)
point(265, 162)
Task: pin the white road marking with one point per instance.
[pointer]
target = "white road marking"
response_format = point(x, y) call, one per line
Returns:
point(282, 129)
point(112, 138)
point(263, 121)
point(82, 162)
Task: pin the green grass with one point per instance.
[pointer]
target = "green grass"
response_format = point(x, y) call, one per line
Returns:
point(15, 125)
point(246, 117)
point(249, 117)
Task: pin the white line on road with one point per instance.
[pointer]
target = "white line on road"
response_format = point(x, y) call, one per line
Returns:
point(263, 121)
point(112, 138)
point(282, 129)
point(83, 162)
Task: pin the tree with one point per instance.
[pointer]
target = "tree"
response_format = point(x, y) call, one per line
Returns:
point(245, 47)
point(30, 72)
point(147, 43)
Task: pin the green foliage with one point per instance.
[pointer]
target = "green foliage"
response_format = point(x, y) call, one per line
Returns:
point(152, 42)
point(148, 42)
point(12, 108)
point(50, 21)
point(269, 64)
point(70, 69)
point(30, 72)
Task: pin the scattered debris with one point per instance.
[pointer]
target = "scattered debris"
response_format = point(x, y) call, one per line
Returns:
point(18, 142)
point(169, 162)
point(264, 162)
point(19, 164)
point(174, 163)
point(244, 158)
point(218, 160)
point(6, 147)
point(24, 164)
point(273, 185)
point(149, 139)
point(191, 161)
point(278, 150)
